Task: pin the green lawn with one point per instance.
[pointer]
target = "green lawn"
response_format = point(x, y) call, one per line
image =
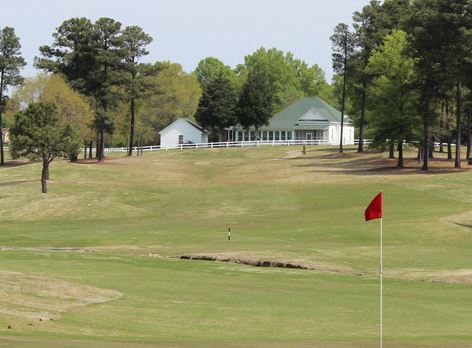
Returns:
point(128, 220)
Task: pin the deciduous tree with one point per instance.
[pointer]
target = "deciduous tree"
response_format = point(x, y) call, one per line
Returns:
point(393, 98)
point(72, 107)
point(37, 135)
point(256, 104)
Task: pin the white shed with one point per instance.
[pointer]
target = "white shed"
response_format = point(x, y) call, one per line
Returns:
point(183, 131)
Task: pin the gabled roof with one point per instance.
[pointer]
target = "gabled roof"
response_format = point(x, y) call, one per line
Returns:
point(306, 113)
point(189, 121)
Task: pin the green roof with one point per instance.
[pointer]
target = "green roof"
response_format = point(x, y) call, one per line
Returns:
point(316, 113)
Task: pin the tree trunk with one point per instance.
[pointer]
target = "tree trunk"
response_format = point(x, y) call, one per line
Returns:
point(90, 149)
point(391, 150)
point(469, 140)
point(449, 148)
point(400, 154)
point(101, 147)
point(2, 156)
point(343, 99)
point(448, 133)
point(45, 176)
point(2, 80)
point(441, 148)
point(138, 146)
point(85, 150)
point(425, 153)
point(360, 146)
point(131, 132)
point(97, 145)
point(418, 156)
point(457, 162)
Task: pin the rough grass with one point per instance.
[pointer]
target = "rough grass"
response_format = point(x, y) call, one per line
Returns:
point(39, 298)
point(122, 225)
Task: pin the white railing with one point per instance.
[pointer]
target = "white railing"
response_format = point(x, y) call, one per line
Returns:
point(228, 144)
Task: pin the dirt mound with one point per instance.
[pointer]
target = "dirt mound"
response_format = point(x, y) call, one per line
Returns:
point(266, 263)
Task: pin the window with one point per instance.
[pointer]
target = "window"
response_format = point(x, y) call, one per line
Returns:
point(271, 135)
point(277, 135)
point(264, 135)
point(282, 135)
point(181, 139)
point(289, 135)
point(246, 135)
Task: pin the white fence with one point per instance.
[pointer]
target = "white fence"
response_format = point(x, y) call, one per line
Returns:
point(228, 144)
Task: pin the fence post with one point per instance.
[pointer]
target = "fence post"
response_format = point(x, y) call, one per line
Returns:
point(227, 144)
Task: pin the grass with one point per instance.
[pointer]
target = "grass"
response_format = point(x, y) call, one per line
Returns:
point(131, 218)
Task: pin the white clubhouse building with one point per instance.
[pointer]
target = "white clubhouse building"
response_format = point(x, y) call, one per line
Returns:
point(309, 118)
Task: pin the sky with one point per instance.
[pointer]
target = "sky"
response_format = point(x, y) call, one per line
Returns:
point(186, 31)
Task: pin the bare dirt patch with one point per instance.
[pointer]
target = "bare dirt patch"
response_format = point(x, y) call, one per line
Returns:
point(42, 298)
point(268, 263)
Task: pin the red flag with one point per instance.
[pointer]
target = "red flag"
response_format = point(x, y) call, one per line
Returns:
point(374, 210)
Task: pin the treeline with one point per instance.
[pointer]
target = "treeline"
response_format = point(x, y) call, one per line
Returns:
point(249, 95)
point(94, 90)
point(404, 72)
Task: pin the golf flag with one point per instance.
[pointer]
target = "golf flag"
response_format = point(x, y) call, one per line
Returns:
point(374, 210)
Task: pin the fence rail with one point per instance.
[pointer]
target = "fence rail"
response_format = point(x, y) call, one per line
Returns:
point(228, 144)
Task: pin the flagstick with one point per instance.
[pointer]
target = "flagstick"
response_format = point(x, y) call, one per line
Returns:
point(381, 282)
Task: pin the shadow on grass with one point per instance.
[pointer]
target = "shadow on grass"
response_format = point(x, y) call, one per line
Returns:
point(107, 161)
point(11, 164)
point(365, 164)
point(463, 225)
point(16, 182)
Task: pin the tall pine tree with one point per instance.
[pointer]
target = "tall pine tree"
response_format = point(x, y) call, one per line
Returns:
point(11, 62)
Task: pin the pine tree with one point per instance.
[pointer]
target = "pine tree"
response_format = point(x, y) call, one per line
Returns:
point(11, 62)
point(343, 48)
point(135, 41)
point(217, 108)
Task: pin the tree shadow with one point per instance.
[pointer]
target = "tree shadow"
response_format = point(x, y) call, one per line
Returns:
point(13, 163)
point(463, 225)
point(16, 182)
point(360, 164)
